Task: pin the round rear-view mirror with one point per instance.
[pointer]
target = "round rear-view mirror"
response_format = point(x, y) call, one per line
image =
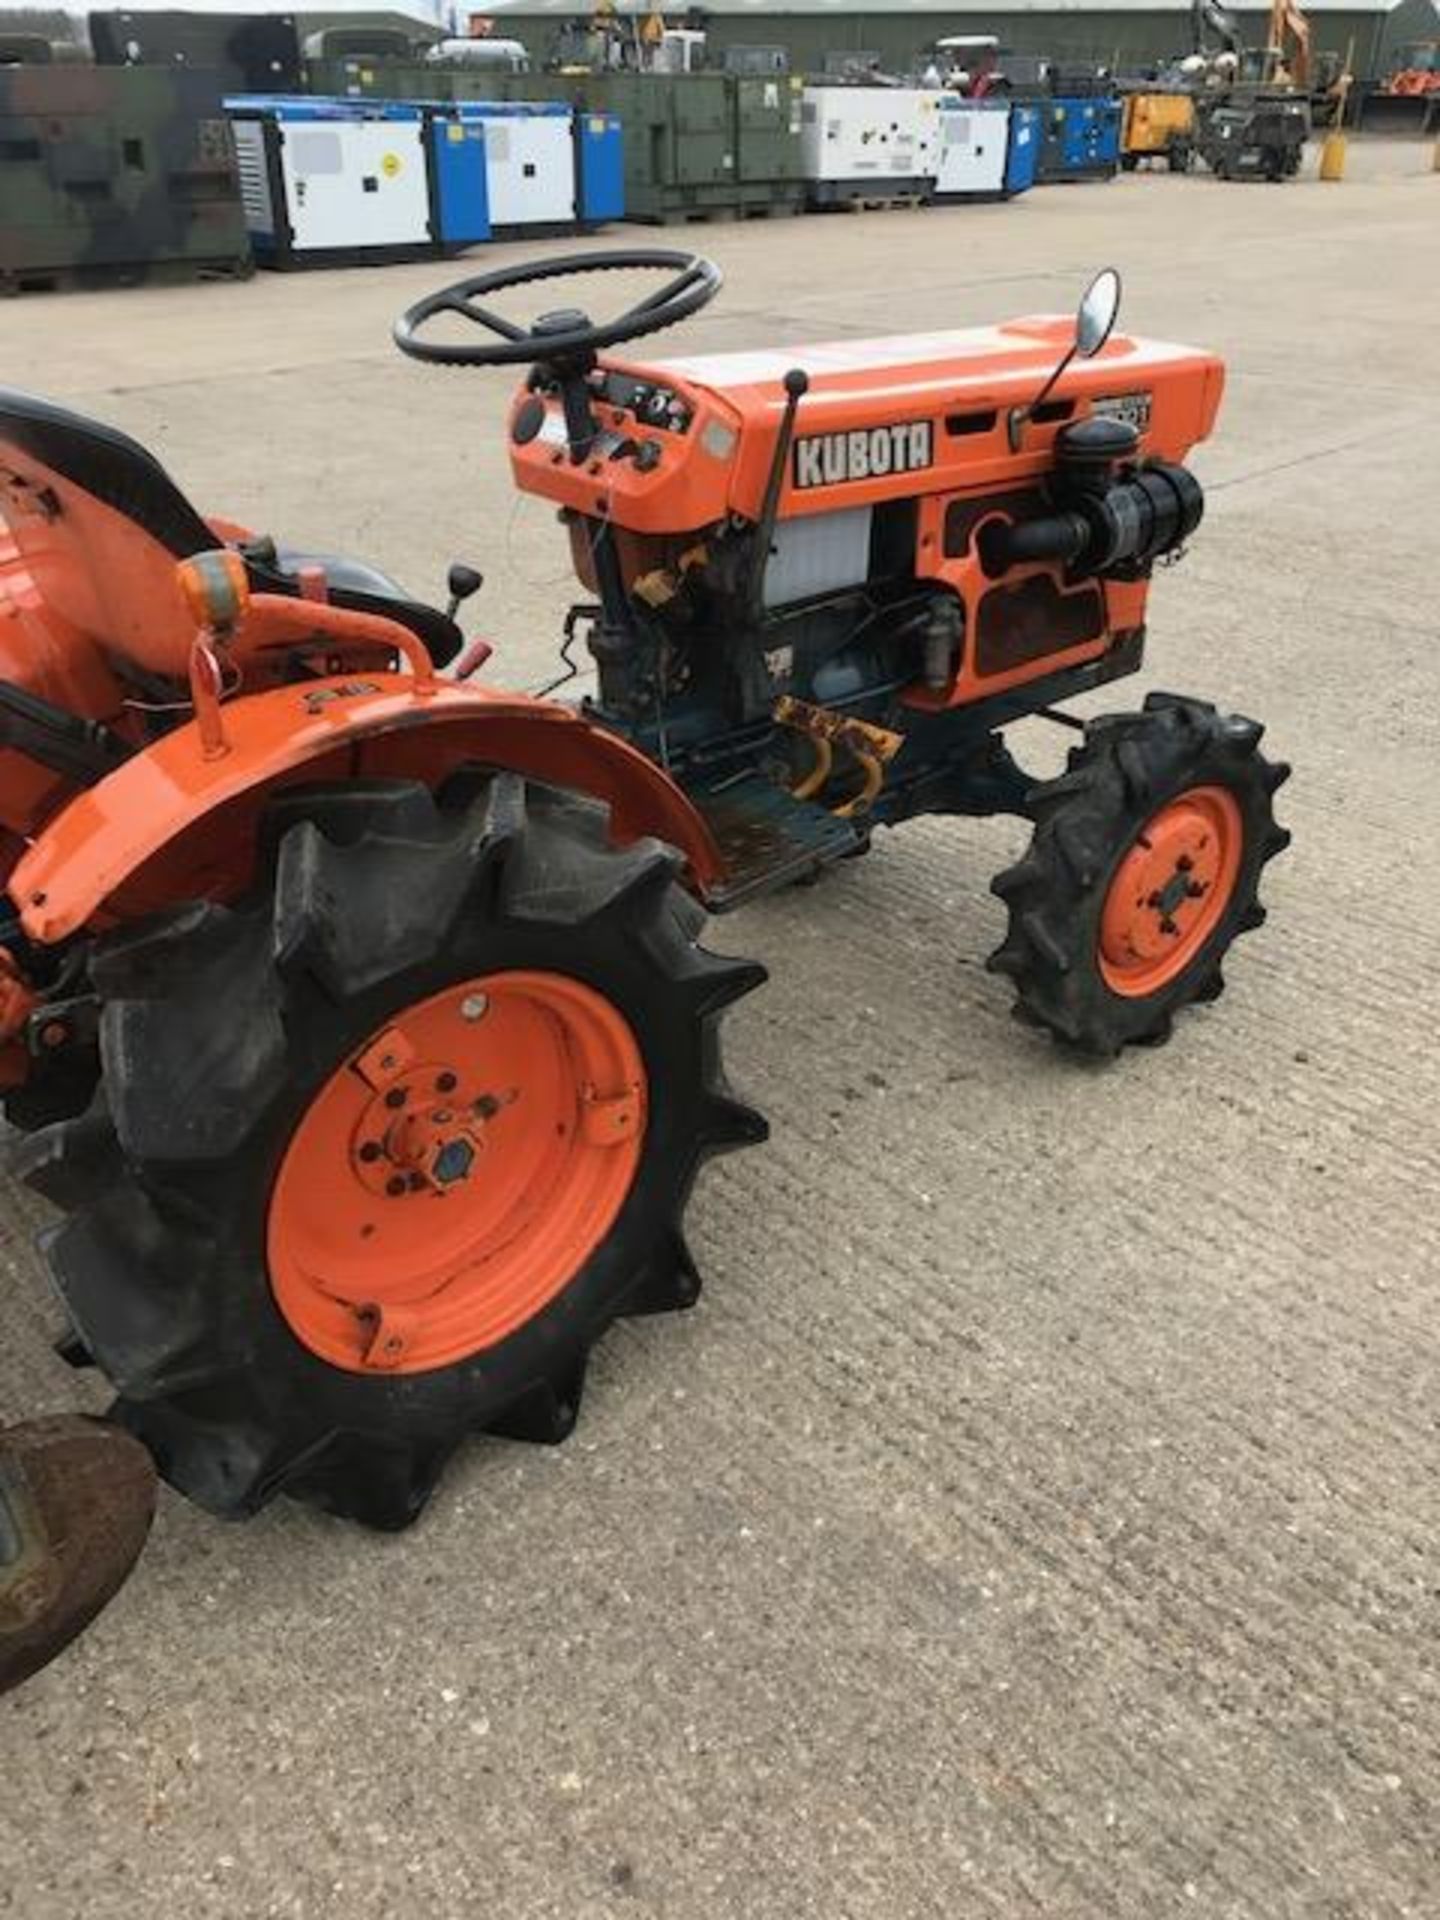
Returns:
point(1098, 313)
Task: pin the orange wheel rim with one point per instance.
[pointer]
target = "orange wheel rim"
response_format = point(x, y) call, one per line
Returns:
point(451, 1179)
point(1170, 891)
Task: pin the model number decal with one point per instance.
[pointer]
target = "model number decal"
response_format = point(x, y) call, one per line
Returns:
point(322, 697)
point(1132, 408)
point(829, 459)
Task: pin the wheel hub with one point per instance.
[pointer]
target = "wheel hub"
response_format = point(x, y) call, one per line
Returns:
point(453, 1176)
point(423, 1132)
point(1170, 890)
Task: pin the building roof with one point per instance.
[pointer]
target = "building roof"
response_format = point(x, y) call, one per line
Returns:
point(768, 14)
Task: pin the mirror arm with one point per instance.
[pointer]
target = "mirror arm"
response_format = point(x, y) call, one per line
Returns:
point(1019, 416)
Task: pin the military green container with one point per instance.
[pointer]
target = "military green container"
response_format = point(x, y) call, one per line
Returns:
point(766, 138)
point(357, 77)
point(696, 144)
point(115, 174)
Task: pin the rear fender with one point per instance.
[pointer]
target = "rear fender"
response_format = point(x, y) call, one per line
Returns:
point(172, 824)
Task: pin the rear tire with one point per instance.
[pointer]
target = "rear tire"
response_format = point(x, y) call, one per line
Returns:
point(1144, 867)
point(222, 1031)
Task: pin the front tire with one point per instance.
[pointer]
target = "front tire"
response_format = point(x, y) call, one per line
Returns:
point(1144, 867)
point(381, 1151)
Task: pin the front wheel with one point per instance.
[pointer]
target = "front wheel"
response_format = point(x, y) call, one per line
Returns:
point(1144, 867)
point(380, 1152)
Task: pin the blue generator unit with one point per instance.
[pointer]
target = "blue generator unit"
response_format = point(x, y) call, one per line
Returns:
point(459, 184)
point(1080, 138)
point(1022, 156)
point(529, 152)
point(599, 167)
point(507, 167)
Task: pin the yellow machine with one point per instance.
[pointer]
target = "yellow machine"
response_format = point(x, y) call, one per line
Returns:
point(1158, 126)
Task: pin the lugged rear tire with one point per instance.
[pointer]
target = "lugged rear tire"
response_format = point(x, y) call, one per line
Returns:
point(222, 1029)
point(1070, 946)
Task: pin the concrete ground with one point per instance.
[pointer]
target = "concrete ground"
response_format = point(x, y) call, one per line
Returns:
point(1038, 1515)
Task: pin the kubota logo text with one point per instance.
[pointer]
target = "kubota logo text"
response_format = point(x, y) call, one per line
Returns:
point(827, 459)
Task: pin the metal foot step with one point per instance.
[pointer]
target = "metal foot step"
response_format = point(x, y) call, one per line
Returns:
point(770, 839)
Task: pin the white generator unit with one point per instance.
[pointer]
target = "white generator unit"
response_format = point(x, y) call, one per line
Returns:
point(529, 162)
point(328, 181)
point(859, 143)
point(972, 148)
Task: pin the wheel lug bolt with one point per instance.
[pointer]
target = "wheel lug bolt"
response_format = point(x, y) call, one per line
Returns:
point(446, 1083)
point(396, 1185)
point(474, 1006)
point(395, 1097)
point(370, 1152)
point(1184, 863)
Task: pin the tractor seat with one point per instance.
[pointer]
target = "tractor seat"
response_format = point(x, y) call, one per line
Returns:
point(120, 473)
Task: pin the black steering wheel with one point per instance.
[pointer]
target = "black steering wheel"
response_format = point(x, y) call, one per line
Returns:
point(568, 334)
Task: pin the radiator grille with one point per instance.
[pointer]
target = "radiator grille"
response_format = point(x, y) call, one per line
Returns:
point(254, 176)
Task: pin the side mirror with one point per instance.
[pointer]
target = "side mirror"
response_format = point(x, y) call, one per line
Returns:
point(1099, 310)
point(1094, 323)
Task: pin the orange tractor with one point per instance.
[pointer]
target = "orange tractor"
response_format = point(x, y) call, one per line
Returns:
point(353, 1011)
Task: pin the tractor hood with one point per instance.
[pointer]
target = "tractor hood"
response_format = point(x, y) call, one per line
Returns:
point(882, 419)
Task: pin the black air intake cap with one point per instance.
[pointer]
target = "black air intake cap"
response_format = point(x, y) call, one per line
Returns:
point(1090, 449)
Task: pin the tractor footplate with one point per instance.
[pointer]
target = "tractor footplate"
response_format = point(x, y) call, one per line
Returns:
point(770, 839)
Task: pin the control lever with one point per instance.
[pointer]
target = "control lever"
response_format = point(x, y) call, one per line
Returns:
point(797, 385)
point(461, 583)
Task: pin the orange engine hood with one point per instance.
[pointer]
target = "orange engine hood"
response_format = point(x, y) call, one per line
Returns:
point(960, 383)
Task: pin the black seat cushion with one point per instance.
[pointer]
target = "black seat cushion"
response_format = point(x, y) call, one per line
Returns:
point(118, 471)
point(106, 463)
point(360, 588)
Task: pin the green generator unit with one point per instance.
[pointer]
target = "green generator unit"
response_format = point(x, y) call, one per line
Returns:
point(766, 117)
point(697, 145)
point(679, 146)
point(116, 175)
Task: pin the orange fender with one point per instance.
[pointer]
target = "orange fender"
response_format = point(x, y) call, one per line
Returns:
point(178, 821)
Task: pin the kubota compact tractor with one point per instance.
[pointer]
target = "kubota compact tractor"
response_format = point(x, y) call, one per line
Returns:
point(354, 1010)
